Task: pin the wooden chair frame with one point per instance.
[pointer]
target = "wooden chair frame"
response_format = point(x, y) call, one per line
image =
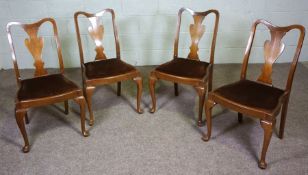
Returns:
point(273, 49)
point(200, 85)
point(35, 45)
point(97, 34)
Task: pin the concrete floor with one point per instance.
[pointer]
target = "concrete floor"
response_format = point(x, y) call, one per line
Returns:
point(167, 142)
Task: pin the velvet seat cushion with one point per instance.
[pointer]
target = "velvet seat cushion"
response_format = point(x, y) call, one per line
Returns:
point(183, 67)
point(45, 86)
point(107, 68)
point(251, 94)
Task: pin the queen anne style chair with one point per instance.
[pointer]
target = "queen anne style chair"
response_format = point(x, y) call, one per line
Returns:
point(44, 88)
point(259, 99)
point(103, 70)
point(189, 71)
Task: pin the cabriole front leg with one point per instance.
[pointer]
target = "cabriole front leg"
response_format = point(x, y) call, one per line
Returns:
point(268, 130)
point(152, 82)
point(208, 112)
point(138, 81)
point(88, 93)
point(19, 115)
point(82, 103)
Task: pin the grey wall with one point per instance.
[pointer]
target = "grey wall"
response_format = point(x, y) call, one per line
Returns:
point(147, 28)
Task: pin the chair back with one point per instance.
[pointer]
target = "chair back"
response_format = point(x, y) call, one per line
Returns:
point(273, 48)
point(196, 32)
point(96, 31)
point(35, 46)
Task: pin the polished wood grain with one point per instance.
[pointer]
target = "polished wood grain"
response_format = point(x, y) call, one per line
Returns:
point(27, 96)
point(35, 46)
point(267, 112)
point(96, 31)
point(272, 50)
point(196, 31)
point(201, 84)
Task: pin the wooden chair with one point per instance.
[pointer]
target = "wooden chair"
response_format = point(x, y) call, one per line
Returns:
point(102, 70)
point(44, 88)
point(260, 98)
point(189, 71)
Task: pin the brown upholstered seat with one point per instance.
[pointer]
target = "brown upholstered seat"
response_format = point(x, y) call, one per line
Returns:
point(251, 94)
point(45, 86)
point(183, 67)
point(107, 68)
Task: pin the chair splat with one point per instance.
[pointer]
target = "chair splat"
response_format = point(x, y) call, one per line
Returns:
point(96, 31)
point(196, 32)
point(35, 46)
point(272, 50)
